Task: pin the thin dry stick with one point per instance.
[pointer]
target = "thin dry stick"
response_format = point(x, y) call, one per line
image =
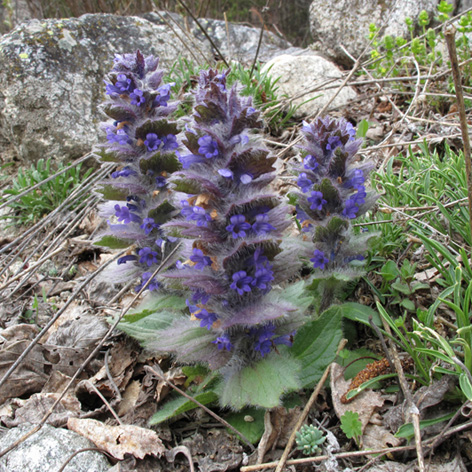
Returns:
point(36, 264)
point(449, 34)
point(412, 408)
point(105, 401)
point(305, 412)
point(203, 31)
point(201, 405)
point(189, 49)
point(86, 449)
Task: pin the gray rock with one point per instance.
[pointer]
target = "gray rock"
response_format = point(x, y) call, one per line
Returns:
point(47, 450)
point(51, 82)
point(463, 5)
point(346, 22)
point(300, 74)
point(237, 42)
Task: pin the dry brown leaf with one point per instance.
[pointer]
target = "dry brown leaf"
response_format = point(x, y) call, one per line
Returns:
point(267, 438)
point(34, 409)
point(32, 373)
point(176, 376)
point(119, 440)
point(130, 398)
point(365, 404)
point(378, 437)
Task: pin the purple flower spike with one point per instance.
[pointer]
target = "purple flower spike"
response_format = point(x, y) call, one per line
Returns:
point(137, 97)
point(147, 256)
point(223, 342)
point(238, 226)
point(148, 225)
point(201, 261)
point(152, 142)
point(319, 261)
point(241, 282)
point(208, 147)
point(317, 201)
point(304, 182)
point(207, 319)
point(262, 225)
point(138, 127)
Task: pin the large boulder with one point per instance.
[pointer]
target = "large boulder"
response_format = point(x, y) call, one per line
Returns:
point(51, 82)
point(303, 76)
point(346, 23)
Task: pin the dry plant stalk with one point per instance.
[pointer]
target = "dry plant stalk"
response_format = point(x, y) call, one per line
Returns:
point(449, 34)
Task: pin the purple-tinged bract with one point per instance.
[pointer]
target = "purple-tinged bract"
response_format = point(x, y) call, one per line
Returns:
point(141, 140)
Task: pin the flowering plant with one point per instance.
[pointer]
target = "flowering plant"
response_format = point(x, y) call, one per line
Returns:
point(142, 140)
point(239, 320)
point(333, 193)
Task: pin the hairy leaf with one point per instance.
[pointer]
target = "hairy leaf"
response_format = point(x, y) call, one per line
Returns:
point(315, 344)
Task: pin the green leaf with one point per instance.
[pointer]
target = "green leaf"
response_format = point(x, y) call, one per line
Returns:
point(153, 303)
point(145, 329)
point(249, 421)
point(369, 384)
point(113, 242)
point(360, 313)
point(193, 372)
point(389, 271)
point(465, 385)
point(261, 384)
point(178, 405)
point(407, 431)
point(351, 424)
point(362, 128)
point(315, 344)
point(402, 288)
point(408, 304)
